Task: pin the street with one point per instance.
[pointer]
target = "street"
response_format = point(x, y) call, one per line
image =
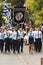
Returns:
point(21, 59)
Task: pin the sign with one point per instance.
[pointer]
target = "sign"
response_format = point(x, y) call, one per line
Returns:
point(19, 14)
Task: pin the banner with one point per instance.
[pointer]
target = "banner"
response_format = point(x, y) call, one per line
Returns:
point(6, 15)
point(19, 14)
point(5, 9)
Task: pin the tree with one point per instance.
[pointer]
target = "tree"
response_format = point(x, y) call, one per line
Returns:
point(17, 2)
point(1, 10)
point(35, 10)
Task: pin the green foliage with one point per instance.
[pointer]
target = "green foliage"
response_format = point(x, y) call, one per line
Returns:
point(35, 10)
point(37, 22)
point(1, 7)
point(17, 2)
point(9, 1)
point(1, 10)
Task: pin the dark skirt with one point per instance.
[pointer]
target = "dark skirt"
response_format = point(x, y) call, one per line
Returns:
point(31, 40)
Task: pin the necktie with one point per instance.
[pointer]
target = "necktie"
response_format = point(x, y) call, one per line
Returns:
point(38, 34)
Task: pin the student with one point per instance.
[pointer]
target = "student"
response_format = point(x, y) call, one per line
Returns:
point(21, 39)
point(34, 37)
point(10, 37)
point(30, 37)
point(14, 38)
point(38, 39)
point(1, 39)
point(18, 41)
point(6, 37)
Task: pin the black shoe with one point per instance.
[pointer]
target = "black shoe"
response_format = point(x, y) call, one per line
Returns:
point(22, 51)
point(13, 51)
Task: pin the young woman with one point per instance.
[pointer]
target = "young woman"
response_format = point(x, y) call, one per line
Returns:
point(31, 40)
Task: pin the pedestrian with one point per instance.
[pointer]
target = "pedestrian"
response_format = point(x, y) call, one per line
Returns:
point(18, 41)
point(31, 40)
point(6, 36)
point(21, 39)
point(34, 37)
point(14, 39)
point(1, 39)
point(38, 39)
point(10, 37)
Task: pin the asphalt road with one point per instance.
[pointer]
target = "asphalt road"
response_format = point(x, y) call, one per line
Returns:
point(21, 59)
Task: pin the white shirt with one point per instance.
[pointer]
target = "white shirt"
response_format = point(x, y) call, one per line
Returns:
point(10, 33)
point(14, 35)
point(5, 34)
point(18, 35)
point(22, 34)
point(1, 36)
point(29, 34)
point(37, 34)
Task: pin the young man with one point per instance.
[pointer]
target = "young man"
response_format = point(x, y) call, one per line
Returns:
point(21, 39)
point(6, 36)
point(38, 39)
point(14, 38)
point(1, 39)
point(10, 37)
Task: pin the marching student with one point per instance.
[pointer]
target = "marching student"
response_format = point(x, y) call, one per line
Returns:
point(1, 39)
point(18, 41)
point(21, 39)
point(6, 37)
point(38, 39)
point(14, 39)
point(31, 40)
point(10, 37)
point(34, 37)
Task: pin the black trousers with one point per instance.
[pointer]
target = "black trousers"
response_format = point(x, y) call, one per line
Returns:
point(10, 42)
point(21, 44)
point(7, 45)
point(38, 44)
point(1, 45)
point(34, 45)
point(14, 42)
point(18, 45)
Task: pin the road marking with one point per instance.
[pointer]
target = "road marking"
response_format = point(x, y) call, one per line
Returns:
point(22, 59)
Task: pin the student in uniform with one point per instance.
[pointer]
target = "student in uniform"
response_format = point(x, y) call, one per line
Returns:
point(14, 38)
point(31, 40)
point(21, 39)
point(1, 39)
point(18, 41)
point(6, 36)
point(10, 37)
point(34, 37)
point(38, 39)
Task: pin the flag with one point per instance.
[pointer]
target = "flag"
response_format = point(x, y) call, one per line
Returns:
point(5, 10)
point(7, 13)
point(19, 14)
